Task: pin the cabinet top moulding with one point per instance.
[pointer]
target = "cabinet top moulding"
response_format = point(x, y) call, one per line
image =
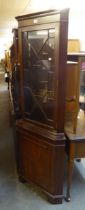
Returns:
point(43, 17)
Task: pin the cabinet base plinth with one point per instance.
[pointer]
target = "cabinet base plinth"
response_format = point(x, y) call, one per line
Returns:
point(55, 199)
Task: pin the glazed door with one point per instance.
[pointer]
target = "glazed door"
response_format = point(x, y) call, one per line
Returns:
point(38, 55)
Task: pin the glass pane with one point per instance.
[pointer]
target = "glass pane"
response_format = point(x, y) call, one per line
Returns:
point(38, 63)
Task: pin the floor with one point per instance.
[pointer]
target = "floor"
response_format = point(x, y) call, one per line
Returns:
point(15, 195)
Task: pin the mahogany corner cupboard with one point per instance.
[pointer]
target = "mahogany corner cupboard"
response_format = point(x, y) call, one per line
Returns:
point(40, 131)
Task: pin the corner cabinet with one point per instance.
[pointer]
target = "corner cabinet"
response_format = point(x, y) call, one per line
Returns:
point(40, 133)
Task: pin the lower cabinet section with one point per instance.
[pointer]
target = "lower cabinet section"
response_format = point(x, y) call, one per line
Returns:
point(40, 159)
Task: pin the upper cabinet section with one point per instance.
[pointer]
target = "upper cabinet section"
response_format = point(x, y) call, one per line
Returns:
point(43, 55)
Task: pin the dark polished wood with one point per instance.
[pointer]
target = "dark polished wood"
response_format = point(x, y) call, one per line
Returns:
point(40, 134)
point(40, 157)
